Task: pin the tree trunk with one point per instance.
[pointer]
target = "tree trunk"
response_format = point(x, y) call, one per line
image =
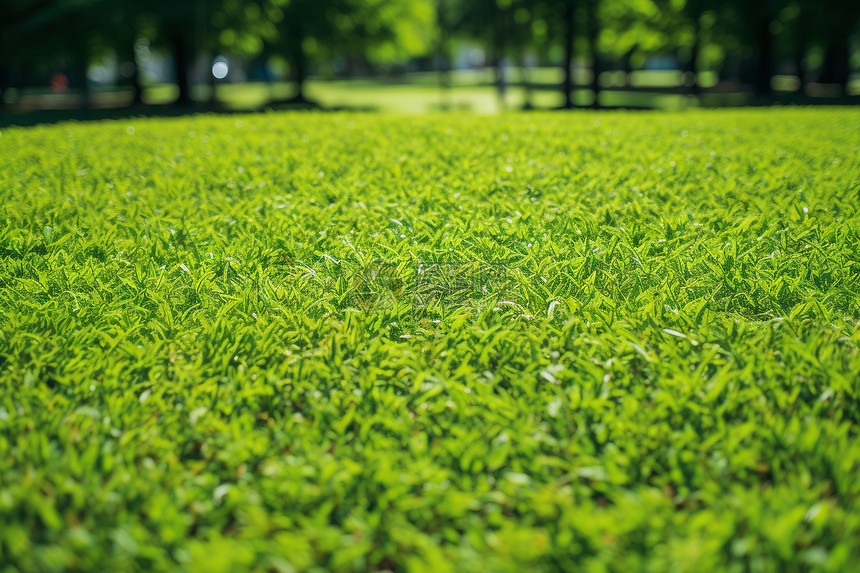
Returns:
point(764, 40)
point(801, 45)
point(498, 55)
point(693, 64)
point(443, 53)
point(501, 85)
point(81, 64)
point(134, 79)
point(298, 59)
point(213, 87)
point(800, 67)
point(4, 83)
point(567, 83)
point(593, 31)
point(836, 67)
point(136, 86)
point(181, 57)
point(4, 69)
point(525, 74)
point(626, 65)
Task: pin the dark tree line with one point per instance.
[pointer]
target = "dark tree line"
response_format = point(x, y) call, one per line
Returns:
point(38, 35)
point(743, 37)
point(754, 34)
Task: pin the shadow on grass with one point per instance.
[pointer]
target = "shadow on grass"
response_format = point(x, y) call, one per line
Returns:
point(30, 118)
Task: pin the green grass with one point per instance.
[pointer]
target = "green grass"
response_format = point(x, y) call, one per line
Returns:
point(216, 355)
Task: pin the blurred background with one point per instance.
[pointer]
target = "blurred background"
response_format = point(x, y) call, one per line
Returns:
point(169, 56)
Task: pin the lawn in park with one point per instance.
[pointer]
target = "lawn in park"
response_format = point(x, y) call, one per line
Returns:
point(583, 341)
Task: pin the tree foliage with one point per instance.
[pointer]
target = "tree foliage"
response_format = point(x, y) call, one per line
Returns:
point(748, 37)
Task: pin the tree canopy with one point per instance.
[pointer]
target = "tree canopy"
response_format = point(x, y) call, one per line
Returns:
point(734, 36)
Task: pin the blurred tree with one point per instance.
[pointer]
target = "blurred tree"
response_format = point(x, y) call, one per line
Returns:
point(635, 29)
point(490, 22)
point(394, 31)
point(801, 29)
point(117, 30)
point(241, 28)
point(375, 30)
point(693, 21)
point(206, 28)
point(752, 25)
point(45, 34)
point(609, 30)
point(194, 28)
point(39, 37)
point(5, 48)
point(834, 21)
point(531, 38)
point(443, 47)
point(179, 26)
point(695, 12)
point(509, 29)
point(759, 17)
point(569, 35)
point(592, 34)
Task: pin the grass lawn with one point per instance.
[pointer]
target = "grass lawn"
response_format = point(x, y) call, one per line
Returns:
point(586, 341)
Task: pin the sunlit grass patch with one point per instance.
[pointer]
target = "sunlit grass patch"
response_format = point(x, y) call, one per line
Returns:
point(347, 341)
